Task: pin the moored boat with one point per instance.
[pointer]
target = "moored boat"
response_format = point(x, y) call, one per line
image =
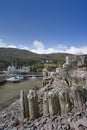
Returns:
point(15, 79)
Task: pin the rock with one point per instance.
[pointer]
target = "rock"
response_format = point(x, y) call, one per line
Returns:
point(15, 122)
point(1, 128)
point(14, 128)
point(25, 120)
point(4, 116)
point(28, 129)
point(4, 129)
point(69, 119)
point(54, 117)
point(31, 125)
point(81, 127)
point(25, 126)
point(75, 119)
point(59, 127)
point(2, 125)
point(37, 124)
point(21, 128)
point(68, 127)
point(78, 115)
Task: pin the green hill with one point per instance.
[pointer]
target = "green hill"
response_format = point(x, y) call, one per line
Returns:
point(24, 57)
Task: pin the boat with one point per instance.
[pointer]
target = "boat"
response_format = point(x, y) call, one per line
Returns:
point(20, 77)
point(15, 79)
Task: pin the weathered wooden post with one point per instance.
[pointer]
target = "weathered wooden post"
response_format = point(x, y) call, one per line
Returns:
point(33, 104)
point(65, 104)
point(53, 103)
point(24, 104)
point(77, 96)
point(45, 104)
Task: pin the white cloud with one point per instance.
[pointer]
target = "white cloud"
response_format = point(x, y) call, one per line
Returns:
point(51, 50)
point(38, 44)
point(38, 47)
point(12, 46)
point(2, 44)
point(79, 50)
point(24, 47)
point(62, 47)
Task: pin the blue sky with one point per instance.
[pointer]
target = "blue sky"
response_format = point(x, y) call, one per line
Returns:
point(44, 26)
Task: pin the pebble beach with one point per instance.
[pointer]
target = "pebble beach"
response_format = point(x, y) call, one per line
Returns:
point(11, 119)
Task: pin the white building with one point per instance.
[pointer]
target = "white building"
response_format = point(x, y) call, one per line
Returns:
point(11, 69)
point(25, 69)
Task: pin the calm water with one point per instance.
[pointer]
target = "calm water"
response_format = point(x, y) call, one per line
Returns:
point(9, 92)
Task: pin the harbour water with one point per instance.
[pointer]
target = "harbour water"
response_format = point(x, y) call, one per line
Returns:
point(9, 92)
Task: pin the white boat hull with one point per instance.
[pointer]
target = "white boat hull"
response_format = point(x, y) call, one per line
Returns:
point(14, 79)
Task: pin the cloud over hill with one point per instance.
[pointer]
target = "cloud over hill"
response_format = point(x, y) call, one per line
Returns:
point(39, 47)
